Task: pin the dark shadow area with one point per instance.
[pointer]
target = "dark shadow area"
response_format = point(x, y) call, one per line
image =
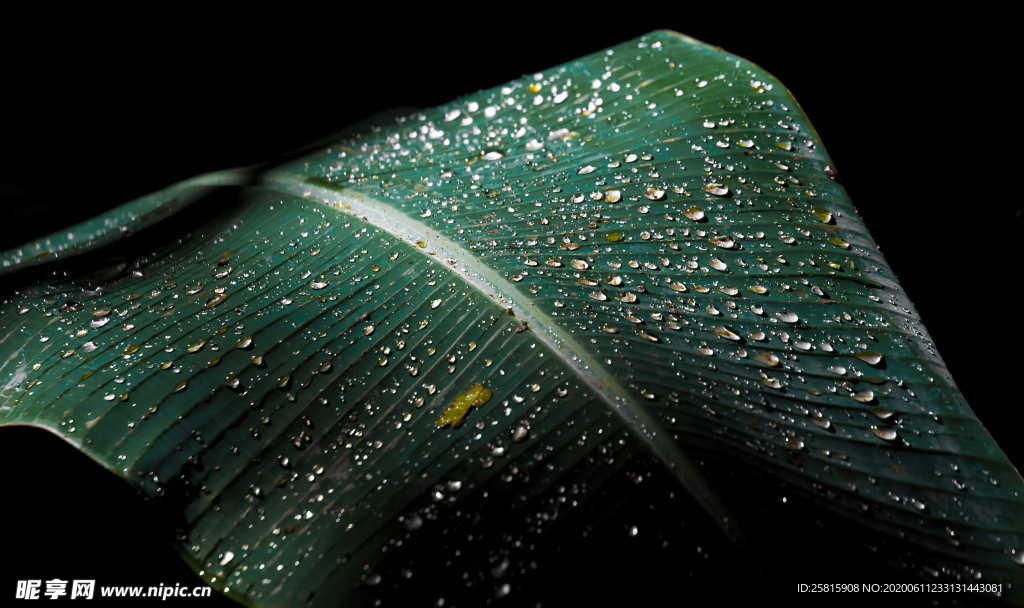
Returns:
point(66, 517)
point(633, 539)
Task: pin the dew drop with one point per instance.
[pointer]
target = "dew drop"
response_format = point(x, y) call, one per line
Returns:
point(694, 213)
point(717, 189)
point(864, 396)
point(870, 357)
point(724, 241)
point(654, 194)
point(767, 358)
point(788, 317)
point(887, 433)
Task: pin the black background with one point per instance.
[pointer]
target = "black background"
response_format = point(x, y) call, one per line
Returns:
point(917, 112)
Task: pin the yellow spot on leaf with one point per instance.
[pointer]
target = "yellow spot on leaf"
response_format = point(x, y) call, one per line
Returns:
point(478, 394)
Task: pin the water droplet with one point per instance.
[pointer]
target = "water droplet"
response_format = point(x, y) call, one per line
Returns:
point(216, 300)
point(864, 396)
point(870, 357)
point(838, 242)
point(887, 433)
point(767, 358)
point(694, 213)
point(724, 241)
point(654, 194)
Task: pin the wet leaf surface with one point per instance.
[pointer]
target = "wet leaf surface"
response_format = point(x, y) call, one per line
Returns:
point(484, 316)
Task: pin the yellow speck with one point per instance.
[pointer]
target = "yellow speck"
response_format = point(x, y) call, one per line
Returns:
point(478, 394)
point(838, 242)
point(824, 215)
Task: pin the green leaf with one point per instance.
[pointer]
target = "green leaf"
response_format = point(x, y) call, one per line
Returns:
point(641, 251)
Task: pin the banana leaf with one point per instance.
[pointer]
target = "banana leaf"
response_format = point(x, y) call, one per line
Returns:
point(329, 365)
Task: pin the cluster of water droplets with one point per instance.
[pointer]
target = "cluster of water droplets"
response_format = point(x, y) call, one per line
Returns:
point(683, 224)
